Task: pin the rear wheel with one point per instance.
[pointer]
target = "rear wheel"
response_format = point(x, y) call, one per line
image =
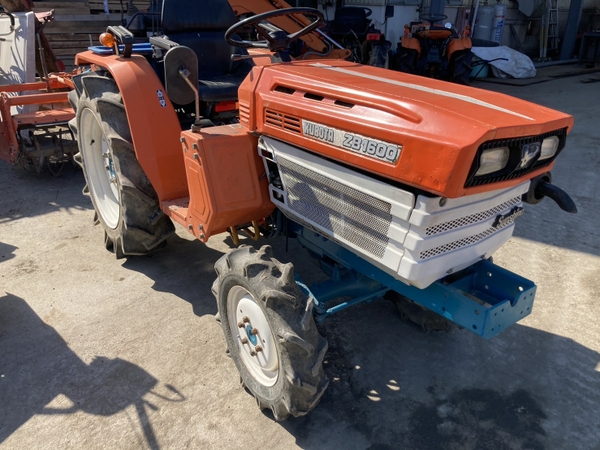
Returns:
point(405, 60)
point(125, 202)
point(460, 67)
point(270, 331)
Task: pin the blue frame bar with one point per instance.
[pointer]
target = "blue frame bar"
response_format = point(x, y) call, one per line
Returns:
point(486, 299)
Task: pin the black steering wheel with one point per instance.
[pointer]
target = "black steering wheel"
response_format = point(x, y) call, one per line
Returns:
point(274, 38)
point(433, 18)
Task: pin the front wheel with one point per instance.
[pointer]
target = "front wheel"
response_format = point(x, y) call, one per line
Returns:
point(270, 331)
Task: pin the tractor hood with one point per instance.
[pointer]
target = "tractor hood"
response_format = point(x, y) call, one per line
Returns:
point(414, 130)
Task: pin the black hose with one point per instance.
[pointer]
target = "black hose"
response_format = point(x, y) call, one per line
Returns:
point(562, 199)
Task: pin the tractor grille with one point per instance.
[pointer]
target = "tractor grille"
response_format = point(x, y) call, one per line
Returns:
point(340, 210)
point(463, 242)
point(281, 120)
point(474, 218)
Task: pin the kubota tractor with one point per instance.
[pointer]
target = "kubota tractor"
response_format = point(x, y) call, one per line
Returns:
point(434, 50)
point(396, 185)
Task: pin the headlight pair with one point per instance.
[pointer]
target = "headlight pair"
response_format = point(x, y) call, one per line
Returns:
point(495, 159)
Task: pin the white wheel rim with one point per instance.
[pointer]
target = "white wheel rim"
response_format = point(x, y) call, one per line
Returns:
point(243, 309)
point(99, 167)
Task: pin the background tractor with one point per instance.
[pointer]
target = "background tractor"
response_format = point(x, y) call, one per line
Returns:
point(434, 50)
point(396, 185)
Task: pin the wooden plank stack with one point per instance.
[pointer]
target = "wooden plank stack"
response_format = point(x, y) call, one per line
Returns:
point(78, 23)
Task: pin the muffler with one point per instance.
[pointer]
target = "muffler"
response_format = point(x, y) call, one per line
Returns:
point(541, 187)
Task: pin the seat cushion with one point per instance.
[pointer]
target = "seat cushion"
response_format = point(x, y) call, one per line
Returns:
point(220, 89)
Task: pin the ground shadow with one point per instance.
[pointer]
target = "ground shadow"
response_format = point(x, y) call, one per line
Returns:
point(184, 268)
point(7, 251)
point(36, 366)
point(394, 387)
point(39, 194)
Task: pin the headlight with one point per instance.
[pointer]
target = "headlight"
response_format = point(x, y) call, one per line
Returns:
point(549, 147)
point(493, 160)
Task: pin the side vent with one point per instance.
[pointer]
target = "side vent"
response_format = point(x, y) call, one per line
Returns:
point(279, 120)
point(245, 114)
point(284, 90)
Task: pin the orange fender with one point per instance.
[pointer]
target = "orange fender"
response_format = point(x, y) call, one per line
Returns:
point(155, 129)
point(410, 42)
point(458, 44)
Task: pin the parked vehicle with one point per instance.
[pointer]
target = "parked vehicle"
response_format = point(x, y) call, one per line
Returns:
point(395, 184)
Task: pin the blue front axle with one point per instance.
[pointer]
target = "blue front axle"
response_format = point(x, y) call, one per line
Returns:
point(483, 298)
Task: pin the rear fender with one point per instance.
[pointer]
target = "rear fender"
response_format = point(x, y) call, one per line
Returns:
point(458, 44)
point(410, 42)
point(155, 129)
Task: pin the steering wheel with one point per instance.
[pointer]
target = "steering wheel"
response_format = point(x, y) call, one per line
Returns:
point(433, 18)
point(274, 38)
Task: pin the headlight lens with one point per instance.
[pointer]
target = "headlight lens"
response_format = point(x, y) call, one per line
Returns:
point(549, 147)
point(492, 160)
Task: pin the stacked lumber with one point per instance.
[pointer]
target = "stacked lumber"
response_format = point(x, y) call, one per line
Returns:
point(78, 23)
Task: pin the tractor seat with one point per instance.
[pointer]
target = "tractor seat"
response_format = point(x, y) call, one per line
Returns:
point(201, 25)
point(434, 33)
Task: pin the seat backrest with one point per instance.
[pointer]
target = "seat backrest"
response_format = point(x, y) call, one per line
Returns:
point(201, 25)
point(349, 18)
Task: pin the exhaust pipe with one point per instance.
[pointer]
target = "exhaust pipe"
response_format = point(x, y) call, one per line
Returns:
point(541, 187)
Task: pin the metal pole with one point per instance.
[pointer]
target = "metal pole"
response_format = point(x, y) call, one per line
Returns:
point(568, 45)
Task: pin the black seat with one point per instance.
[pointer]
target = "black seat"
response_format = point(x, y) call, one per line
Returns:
point(351, 19)
point(201, 25)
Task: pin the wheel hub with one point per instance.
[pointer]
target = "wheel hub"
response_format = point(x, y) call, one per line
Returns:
point(253, 336)
point(100, 168)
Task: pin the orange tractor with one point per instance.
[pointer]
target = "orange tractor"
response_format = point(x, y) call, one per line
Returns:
point(397, 185)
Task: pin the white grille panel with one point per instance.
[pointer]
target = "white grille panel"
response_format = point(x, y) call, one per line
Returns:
point(463, 242)
point(343, 211)
point(474, 218)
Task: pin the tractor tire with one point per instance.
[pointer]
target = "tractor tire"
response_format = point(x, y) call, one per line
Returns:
point(261, 305)
point(460, 67)
point(405, 60)
point(124, 200)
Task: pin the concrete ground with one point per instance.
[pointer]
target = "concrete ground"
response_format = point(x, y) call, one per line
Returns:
point(100, 353)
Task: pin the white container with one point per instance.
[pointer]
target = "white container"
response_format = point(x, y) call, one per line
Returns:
point(498, 22)
point(483, 23)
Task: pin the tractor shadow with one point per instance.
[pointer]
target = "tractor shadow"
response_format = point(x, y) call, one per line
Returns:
point(37, 368)
point(393, 386)
point(7, 251)
point(184, 268)
point(26, 194)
